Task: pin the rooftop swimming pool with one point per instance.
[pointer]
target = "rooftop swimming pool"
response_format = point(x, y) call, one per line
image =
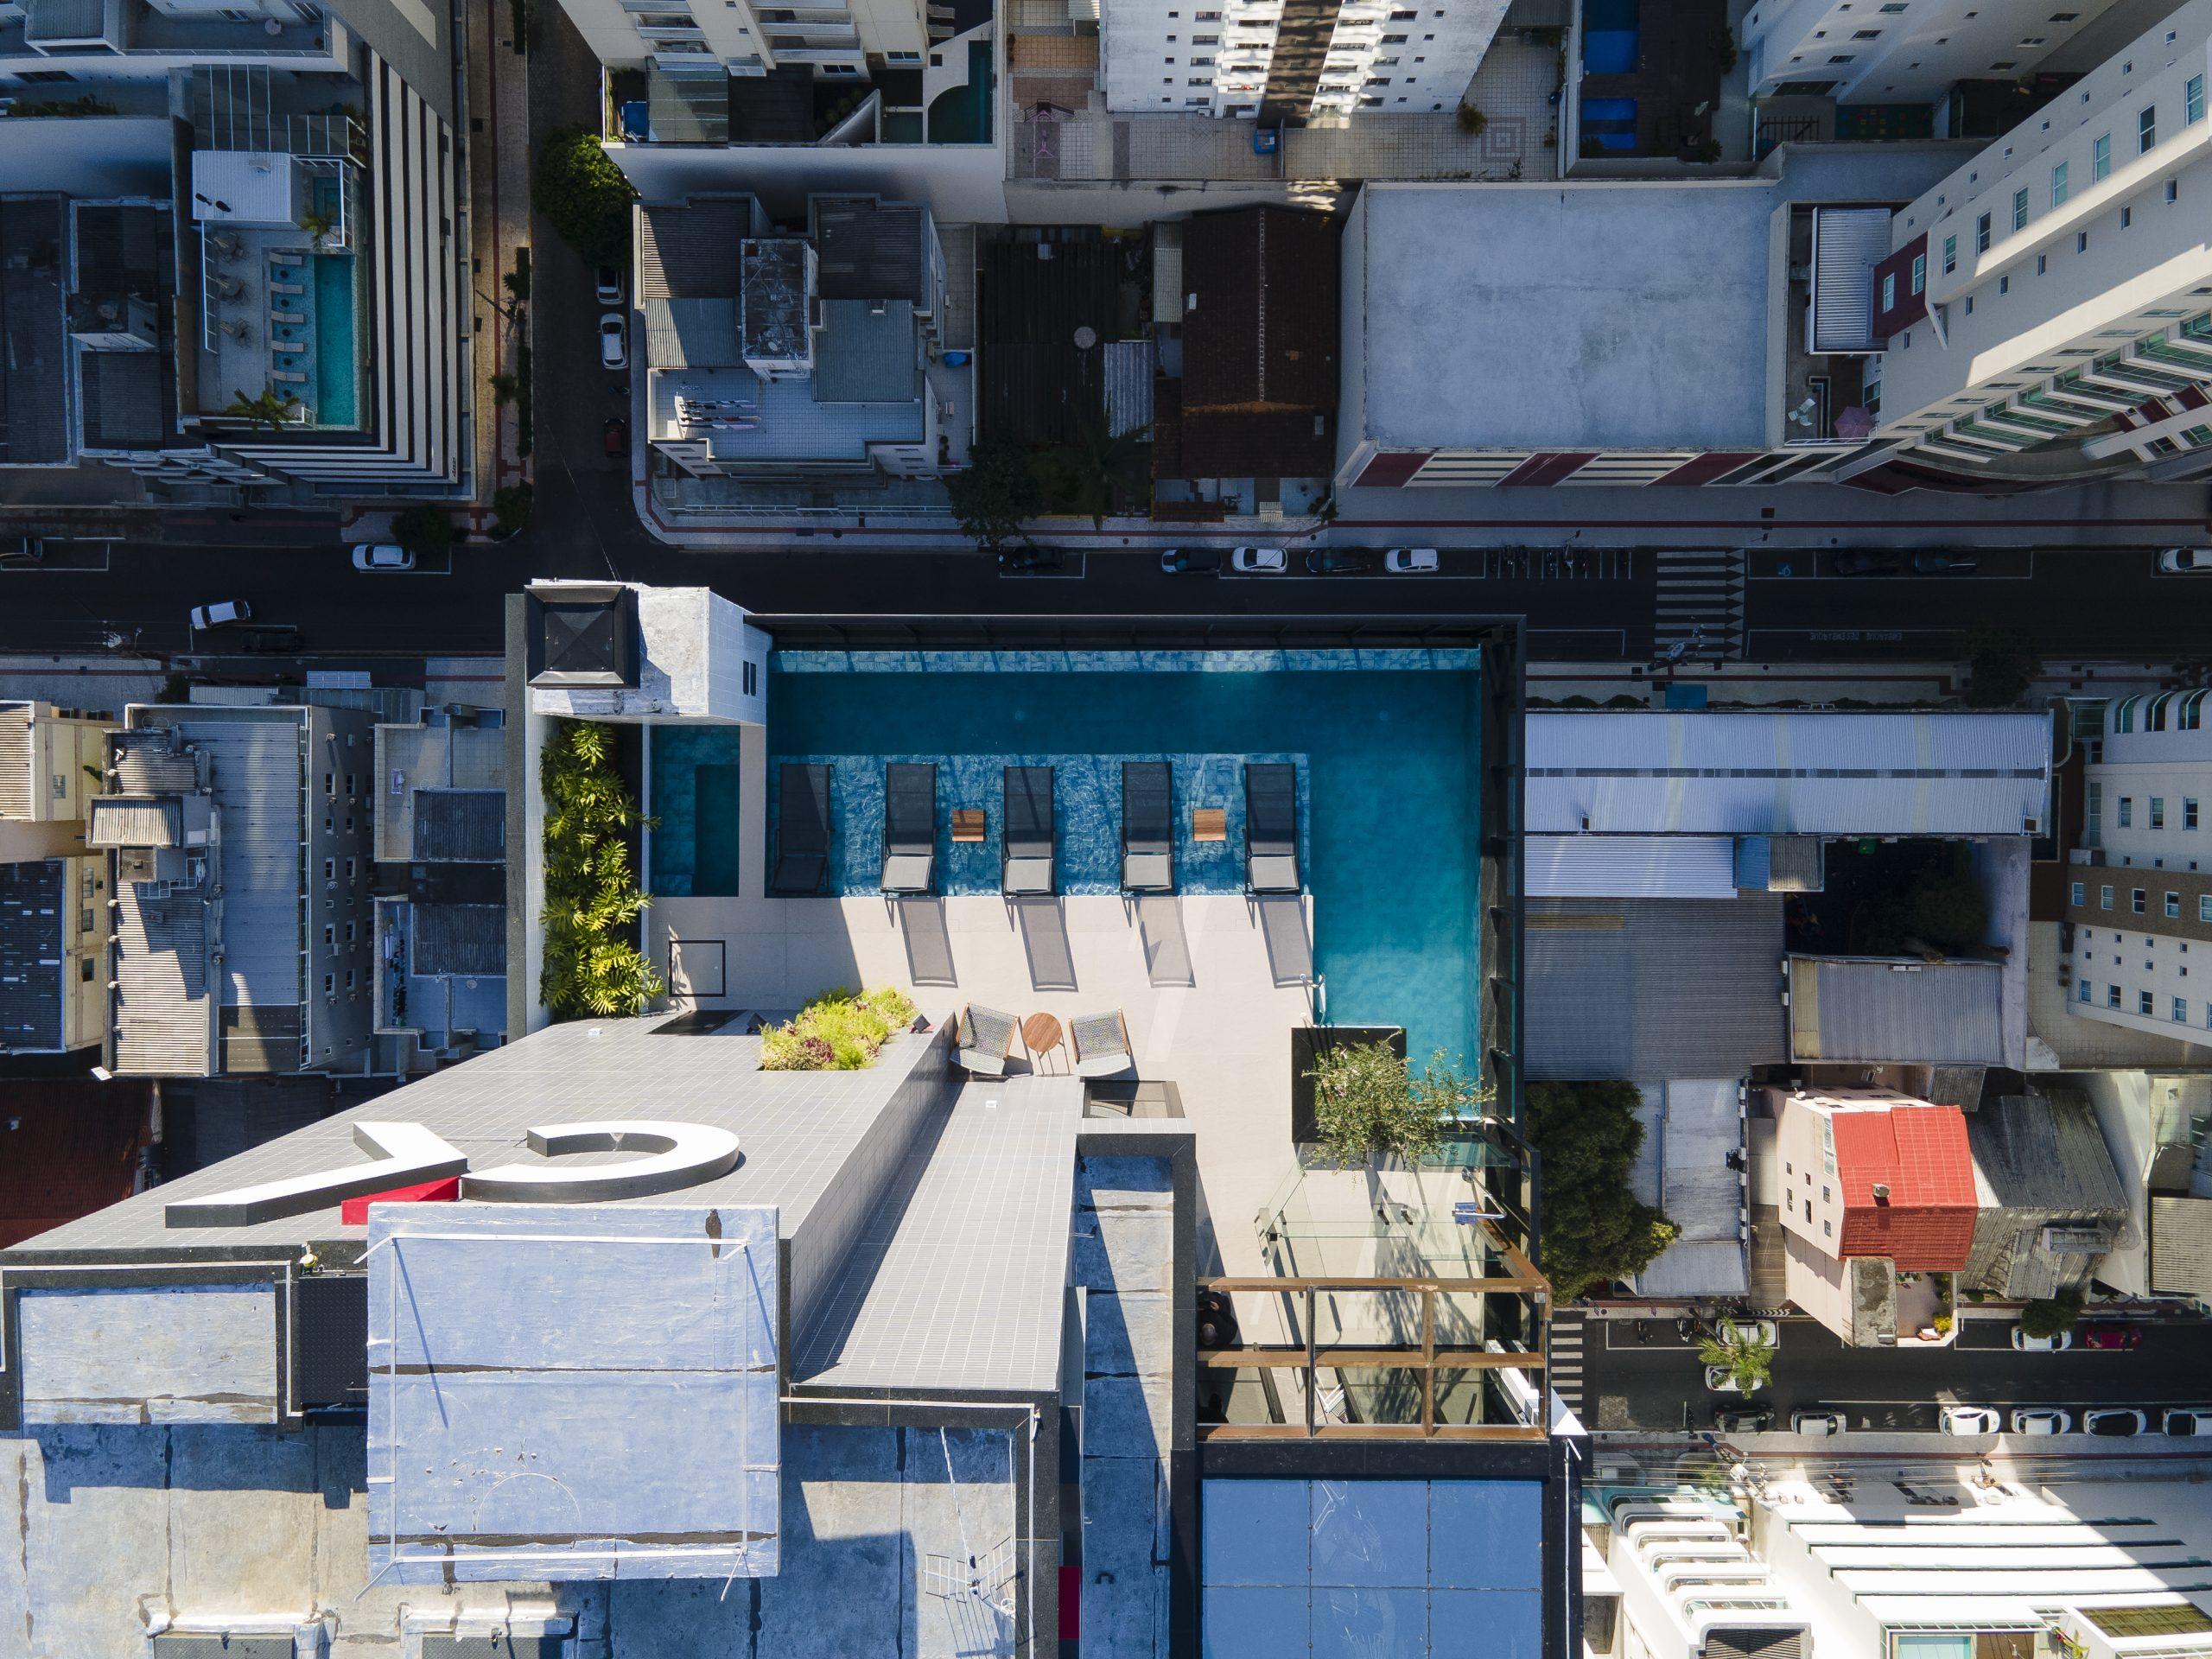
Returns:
point(336, 397)
point(1386, 746)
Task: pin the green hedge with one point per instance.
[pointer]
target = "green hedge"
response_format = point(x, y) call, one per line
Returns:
point(592, 966)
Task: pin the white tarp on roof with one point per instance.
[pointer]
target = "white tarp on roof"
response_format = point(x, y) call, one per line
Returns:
point(1848, 244)
point(1690, 1127)
point(1714, 773)
point(1630, 866)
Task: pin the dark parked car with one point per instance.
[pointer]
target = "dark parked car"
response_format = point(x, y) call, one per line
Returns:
point(261, 636)
point(1338, 562)
point(1865, 564)
point(1029, 561)
point(2111, 1338)
point(616, 435)
point(1191, 562)
point(1744, 1419)
point(1944, 565)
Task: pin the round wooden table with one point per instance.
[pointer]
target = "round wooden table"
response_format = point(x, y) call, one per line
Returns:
point(1040, 1034)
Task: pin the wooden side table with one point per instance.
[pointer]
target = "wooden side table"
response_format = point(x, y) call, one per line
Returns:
point(1040, 1034)
point(968, 824)
point(1209, 824)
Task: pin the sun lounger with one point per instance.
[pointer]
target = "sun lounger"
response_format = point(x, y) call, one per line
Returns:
point(986, 1038)
point(287, 377)
point(909, 827)
point(1100, 1044)
point(287, 288)
point(1147, 827)
point(1027, 863)
point(1271, 828)
point(801, 827)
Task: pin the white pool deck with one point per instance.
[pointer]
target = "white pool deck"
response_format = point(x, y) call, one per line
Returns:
point(1210, 987)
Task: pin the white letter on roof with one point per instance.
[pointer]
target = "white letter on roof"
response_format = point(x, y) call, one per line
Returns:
point(684, 1154)
point(407, 1153)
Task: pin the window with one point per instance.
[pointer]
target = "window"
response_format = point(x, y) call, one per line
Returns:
point(330, 784)
point(2147, 128)
point(1889, 292)
point(2173, 905)
point(2081, 892)
point(2173, 191)
point(2192, 100)
point(2020, 209)
point(2111, 996)
point(2180, 1011)
point(1919, 273)
point(330, 932)
point(329, 869)
point(2100, 157)
point(329, 984)
point(2104, 898)
point(2204, 906)
point(2126, 810)
point(350, 865)
point(349, 932)
point(2084, 989)
point(2143, 1003)
point(2058, 185)
point(1950, 254)
point(2136, 898)
point(2158, 811)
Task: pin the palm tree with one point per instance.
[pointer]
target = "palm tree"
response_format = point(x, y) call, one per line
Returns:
point(1740, 1352)
point(268, 407)
point(1093, 474)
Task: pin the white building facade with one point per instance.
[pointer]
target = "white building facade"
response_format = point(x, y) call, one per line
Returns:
point(1289, 61)
point(1909, 53)
point(742, 38)
point(2140, 887)
point(2047, 308)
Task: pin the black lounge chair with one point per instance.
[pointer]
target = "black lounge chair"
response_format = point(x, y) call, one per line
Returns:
point(909, 827)
point(1147, 827)
point(1026, 864)
point(1271, 829)
point(801, 827)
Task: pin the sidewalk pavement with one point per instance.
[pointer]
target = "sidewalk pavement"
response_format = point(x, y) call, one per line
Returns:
point(499, 169)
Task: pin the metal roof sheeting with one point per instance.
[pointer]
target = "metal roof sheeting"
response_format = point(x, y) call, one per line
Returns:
point(1128, 386)
point(1630, 866)
point(1712, 773)
point(1654, 987)
point(1848, 244)
point(1875, 1008)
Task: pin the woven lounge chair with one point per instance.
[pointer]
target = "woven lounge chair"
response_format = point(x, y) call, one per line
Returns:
point(1271, 828)
point(1100, 1044)
point(986, 1039)
point(909, 827)
point(1026, 860)
point(1147, 827)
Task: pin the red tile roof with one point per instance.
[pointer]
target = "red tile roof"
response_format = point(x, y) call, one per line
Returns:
point(1919, 1153)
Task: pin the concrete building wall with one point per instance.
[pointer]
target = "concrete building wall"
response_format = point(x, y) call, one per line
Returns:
point(959, 183)
point(196, 1354)
point(1871, 55)
point(87, 924)
point(340, 942)
point(1812, 1201)
point(2061, 279)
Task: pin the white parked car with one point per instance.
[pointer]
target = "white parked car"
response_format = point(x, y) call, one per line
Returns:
point(609, 285)
point(614, 341)
point(382, 555)
point(2186, 562)
point(2188, 1422)
point(1716, 1378)
point(1259, 561)
point(1821, 1425)
point(2114, 1422)
point(1410, 561)
point(1971, 1419)
point(2041, 1420)
point(220, 614)
point(1763, 1331)
point(2028, 1344)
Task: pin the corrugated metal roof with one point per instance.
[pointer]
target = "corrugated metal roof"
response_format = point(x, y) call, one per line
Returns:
point(152, 761)
point(1167, 294)
point(2051, 1201)
point(1129, 366)
point(134, 821)
point(32, 894)
point(864, 353)
point(163, 1016)
point(1717, 772)
point(1630, 866)
point(1880, 1009)
point(257, 777)
point(1654, 987)
point(459, 939)
point(2181, 1246)
point(469, 826)
point(689, 252)
point(1848, 244)
point(869, 250)
point(691, 334)
point(15, 761)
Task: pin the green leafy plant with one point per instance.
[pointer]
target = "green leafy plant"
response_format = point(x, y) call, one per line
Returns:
point(504, 388)
point(1474, 121)
point(585, 195)
point(841, 1030)
point(1942, 1323)
point(268, 407)
point(424, 529)
point(994, 493)
point(317, 226)
point(2049, 1315)
point(593, 965)
point(1742, 1352)
point(1595, 1229)
point(510, 509)
point(2000, 666)
point(1092, 476)
point(1367, 1103)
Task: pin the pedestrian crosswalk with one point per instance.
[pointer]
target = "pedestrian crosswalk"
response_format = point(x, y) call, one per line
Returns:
point(1567, 1358)
point(1700, 610)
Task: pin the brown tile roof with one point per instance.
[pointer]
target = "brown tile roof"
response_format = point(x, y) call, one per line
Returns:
point(67, 1149)
point(1260, 343)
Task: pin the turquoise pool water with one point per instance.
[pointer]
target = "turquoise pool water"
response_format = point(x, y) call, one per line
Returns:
point(1387, 762)
point(335, 392)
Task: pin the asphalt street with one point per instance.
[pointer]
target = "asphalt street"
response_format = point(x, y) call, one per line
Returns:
point(1659, 1385)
